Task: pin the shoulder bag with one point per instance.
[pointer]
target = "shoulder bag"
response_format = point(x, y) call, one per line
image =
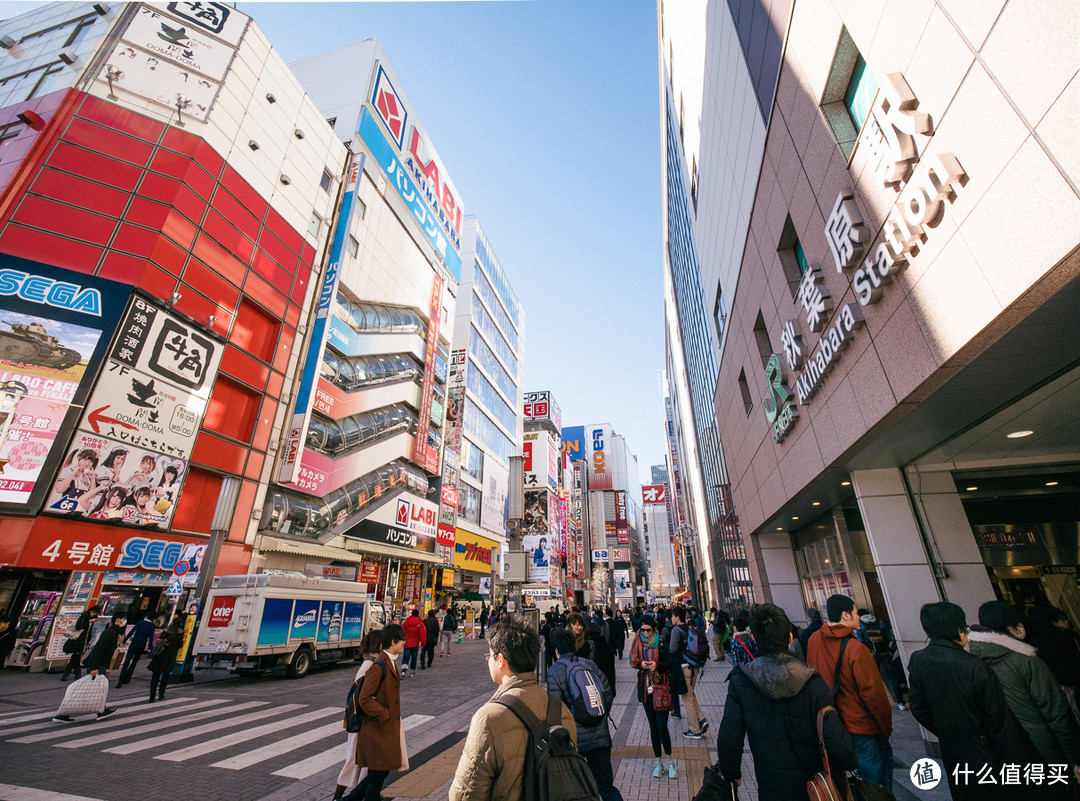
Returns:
point(821, 787)
point(661, 693)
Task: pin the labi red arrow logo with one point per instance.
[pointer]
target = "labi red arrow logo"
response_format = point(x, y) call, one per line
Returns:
point(96, 417)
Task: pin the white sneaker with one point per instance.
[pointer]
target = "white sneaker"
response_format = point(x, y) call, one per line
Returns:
point(672, 771)
point(658, 770)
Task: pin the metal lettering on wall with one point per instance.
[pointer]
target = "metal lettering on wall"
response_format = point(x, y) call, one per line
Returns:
point(923, 186)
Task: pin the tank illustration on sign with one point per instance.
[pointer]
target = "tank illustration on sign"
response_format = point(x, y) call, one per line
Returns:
point(31, 344)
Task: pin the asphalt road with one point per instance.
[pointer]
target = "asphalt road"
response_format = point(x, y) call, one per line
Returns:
point(220, 738)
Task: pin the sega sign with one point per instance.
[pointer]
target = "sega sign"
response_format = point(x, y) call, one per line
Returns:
point(140, 552)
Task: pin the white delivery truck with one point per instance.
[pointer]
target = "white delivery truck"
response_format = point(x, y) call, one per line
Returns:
point(284, 623)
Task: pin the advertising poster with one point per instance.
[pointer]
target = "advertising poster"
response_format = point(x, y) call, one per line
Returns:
point(425, 456)
point(494, 498)
point(623, 588)
point(128, 460)
point(455, 401)
point(104, 480)
point(622, 527)
point(65, 621)
point(538, 549)
point(55, 326)
point(536, 512)
point(80, 587)
point(573, 443)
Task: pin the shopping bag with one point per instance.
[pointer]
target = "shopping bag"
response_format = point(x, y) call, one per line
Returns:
point(85, 696)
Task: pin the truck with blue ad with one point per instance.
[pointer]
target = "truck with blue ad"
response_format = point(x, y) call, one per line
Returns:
point(284, 623)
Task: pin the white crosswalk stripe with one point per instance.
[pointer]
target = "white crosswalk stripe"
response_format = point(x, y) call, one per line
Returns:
point(32, 794)
point(125, 717)
point(187, 734)
point(168, 722)
point(221, 743)
point(45, 713)
point(335, 756)
point(280, 747)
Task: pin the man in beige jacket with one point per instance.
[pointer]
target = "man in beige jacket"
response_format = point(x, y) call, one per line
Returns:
point(492, 766)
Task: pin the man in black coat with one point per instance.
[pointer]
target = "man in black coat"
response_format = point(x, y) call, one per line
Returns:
point(775, 701)
point(101, 656)
point(955, 695)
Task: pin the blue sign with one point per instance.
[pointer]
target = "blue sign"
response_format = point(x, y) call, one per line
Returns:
point(180, 568)
point(573, 443)
point(174, 590)
point(274, 627)
point(403, 183)
point(352, 622)
point(150, 554)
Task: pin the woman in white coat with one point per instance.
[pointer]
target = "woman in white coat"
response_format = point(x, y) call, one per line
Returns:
point(351, 775)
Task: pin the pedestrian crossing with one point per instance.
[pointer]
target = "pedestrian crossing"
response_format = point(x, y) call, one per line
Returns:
point(289, 740)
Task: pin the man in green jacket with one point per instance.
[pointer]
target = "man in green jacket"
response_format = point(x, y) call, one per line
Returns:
point(1031, 691)
point(492, 765)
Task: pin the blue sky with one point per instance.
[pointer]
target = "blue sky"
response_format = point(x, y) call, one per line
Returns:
point(546, 114)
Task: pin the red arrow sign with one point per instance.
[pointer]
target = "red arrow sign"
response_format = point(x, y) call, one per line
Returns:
point(97, 417)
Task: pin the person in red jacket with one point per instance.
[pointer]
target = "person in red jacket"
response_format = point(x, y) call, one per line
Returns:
point(861, 700)
point(415, 638)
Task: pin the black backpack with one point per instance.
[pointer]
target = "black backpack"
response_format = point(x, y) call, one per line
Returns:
point(554, 770)
point(354, 715)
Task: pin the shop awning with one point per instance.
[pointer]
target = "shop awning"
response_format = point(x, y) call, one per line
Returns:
point(341, 554)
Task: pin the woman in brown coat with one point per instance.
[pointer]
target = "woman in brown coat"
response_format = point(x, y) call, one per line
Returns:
point(380, 745)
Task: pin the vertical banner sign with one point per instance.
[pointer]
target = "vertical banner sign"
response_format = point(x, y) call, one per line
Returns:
point(426, 457)
point(317, 343)
point(455, 401)
point(622, 529)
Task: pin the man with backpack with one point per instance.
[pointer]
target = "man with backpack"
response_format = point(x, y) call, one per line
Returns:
point(504, 758)
point(585, 689)
point(849, 669)
point(720, 624)
point(876, 634)
point(689, 646)
point(449, 631)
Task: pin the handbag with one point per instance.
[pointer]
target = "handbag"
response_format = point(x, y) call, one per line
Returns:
point(661, 694)
point(714, 787)
point(861, 790)
point(821, 787)
point(157, 647)
point(74, 642)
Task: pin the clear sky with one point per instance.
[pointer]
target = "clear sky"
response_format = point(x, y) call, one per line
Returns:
point(546, 114)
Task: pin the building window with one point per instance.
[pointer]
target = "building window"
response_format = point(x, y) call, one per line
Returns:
point(761, 337)
point(353, 246)
point(469, 502)
point(849, 93)
point(361, 209)
point(744, 389)
point(860, 93)
point(720, 314)
point(472, 459)
point(326, 181)
point(792, 256)
point(315, 225)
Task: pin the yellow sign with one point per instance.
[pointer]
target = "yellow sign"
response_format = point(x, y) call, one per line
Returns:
point(473, 552)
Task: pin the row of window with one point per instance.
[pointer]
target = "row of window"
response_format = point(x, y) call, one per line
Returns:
point(484, 290)
point(486, 359)
point(482, 389)
point(288, 512)
point(372, 317)
point(358, 372)
point(481, 427)
point(487, 326)
point(486, 255)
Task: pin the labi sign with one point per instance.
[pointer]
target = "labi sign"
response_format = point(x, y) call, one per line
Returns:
point(923, 186)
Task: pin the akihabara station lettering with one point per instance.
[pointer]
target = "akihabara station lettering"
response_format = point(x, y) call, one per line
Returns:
point(924, 186)
point(60, 294)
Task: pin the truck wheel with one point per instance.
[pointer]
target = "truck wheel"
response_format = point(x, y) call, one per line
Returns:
point(299, 665)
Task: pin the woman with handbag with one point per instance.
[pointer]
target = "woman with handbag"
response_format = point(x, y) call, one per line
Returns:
point(351, 775)
point(650, 658)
